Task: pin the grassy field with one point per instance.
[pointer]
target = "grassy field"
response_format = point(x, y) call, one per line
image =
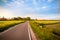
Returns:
point(7, 24)
point(48, 21)
point(46, 29)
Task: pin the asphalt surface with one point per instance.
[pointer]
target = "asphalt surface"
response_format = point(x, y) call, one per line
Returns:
point(19, 32)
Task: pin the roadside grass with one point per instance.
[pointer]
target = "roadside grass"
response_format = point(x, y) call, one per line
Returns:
point(7, 24)
point(50, 32)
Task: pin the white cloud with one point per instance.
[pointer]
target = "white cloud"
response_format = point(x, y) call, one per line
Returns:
point(42, 16)
point(6, 13)
point(32, 15)
point(44, 7)
point(34, 2)
point(20, 9)
point(16, 4)
point(5, 1)
point(50, 1)
point(53, 16)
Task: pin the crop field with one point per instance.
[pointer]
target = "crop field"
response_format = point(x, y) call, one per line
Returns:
point(46, 29)
point(48, 21)
point(7, 24)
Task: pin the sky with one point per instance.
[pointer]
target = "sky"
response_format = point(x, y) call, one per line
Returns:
point(36, 9)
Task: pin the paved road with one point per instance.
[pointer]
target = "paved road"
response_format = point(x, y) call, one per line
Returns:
point(19, 32)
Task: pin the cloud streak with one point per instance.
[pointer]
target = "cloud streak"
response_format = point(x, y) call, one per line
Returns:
point(33, 8)
point(6, 13)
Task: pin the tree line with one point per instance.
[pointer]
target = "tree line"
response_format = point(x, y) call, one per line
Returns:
point(15, 18)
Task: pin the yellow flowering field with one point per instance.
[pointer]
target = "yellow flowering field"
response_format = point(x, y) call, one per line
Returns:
point(7, 24)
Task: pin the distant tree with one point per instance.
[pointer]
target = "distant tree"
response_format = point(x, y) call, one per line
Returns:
point(15, 18)
point(3, 18)
point(28, 18)
point(19, 18)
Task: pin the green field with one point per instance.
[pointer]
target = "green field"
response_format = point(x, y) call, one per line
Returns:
point(43, 29)
point(7, 24)
point(48, 21)
point(46, 29)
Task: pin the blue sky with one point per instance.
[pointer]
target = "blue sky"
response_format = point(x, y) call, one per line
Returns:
point(40, 9)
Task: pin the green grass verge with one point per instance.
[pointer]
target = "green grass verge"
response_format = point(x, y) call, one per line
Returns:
point(44, 33)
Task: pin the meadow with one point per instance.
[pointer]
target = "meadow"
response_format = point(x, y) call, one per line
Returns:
point(7, 24)
point(46, 29)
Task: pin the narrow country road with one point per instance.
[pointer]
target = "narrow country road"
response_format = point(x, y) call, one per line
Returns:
point(19, 32)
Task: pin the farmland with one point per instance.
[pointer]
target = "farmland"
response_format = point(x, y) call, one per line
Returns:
point(43, 29)
point(48, 21)
point(7, 24)
point(46, 29)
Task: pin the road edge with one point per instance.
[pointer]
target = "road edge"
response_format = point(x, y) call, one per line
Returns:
point(31, 33)
point(10, 29)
